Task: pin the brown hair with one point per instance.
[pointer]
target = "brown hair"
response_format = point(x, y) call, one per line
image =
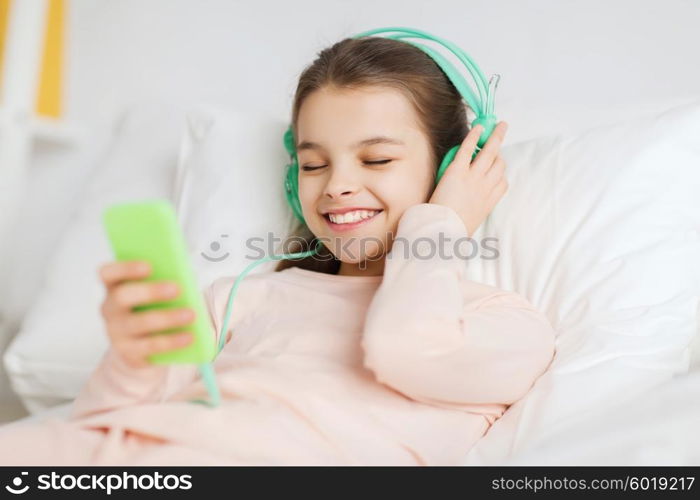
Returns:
point(353, 63)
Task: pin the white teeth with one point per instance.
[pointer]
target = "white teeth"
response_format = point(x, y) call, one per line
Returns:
point(355, 216)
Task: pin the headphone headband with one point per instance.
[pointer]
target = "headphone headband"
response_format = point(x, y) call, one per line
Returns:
point(486, 90)
point(482, 105)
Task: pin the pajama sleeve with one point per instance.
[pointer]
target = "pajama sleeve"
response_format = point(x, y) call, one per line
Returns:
point(439, 338)
point(114, 384)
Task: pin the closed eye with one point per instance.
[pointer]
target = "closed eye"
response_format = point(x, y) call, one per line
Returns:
point(308, 168)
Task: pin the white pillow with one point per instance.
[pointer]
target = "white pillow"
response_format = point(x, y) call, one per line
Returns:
point(63, 337)
point(230, 200)
point(601, 230)
point(695, 348)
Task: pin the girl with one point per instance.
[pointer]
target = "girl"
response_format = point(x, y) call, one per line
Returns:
point(381, 350)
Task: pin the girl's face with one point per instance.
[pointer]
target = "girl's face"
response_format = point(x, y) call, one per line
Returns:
point(360, 149)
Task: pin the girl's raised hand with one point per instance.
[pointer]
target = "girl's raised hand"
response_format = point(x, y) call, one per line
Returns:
point(473, 190)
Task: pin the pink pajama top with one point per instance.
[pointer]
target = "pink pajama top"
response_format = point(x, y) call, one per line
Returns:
point(408, 368)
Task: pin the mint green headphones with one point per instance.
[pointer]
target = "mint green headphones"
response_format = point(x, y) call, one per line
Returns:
point(484, 117)
point(484, 113)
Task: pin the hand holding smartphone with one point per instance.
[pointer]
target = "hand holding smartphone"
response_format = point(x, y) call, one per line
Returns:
point(145, 322)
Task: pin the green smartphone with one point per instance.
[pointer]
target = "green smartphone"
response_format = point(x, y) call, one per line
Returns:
point(149, 231)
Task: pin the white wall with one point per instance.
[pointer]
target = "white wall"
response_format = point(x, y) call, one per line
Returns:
point(564, 65)
point(555, 56)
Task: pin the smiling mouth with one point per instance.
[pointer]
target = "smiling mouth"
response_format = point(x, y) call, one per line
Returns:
point(348, 225)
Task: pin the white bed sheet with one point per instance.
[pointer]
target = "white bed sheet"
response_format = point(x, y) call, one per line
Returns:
point(662, 427)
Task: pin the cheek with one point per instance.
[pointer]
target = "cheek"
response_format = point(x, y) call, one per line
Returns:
point(307, 196)
point(400, 195)
point(400, 192)
point(413, 175)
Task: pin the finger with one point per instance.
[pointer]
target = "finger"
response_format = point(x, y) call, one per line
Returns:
point(488, 154)
point(496, 171)
point(113, 273)
point(144, 323)
point(498, 191)
point(466, 149)
point(128, 295)
point(162, 343)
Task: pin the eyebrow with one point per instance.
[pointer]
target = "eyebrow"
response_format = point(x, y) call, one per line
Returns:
point(366, 142)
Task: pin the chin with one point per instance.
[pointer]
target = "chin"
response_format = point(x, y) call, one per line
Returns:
point(357, 253)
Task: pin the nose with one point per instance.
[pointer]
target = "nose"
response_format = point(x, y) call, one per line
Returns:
point(340, 184)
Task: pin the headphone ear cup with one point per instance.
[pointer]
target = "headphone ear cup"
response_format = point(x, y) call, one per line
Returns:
point(446, 160)
point(291, 181)
point(288, 141)
point(291, 189)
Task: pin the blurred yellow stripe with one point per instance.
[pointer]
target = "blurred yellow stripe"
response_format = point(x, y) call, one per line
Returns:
point(4, 19)
point(49, 98)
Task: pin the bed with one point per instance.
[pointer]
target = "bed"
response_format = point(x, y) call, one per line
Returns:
point(624, 385)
